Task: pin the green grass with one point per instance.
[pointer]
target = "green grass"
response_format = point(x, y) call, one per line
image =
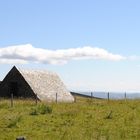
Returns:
point(84, 120)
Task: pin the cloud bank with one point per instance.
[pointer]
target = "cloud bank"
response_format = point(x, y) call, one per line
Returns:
point(22, 54)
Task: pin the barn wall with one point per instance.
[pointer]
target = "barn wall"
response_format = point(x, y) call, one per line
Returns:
point(24, 89)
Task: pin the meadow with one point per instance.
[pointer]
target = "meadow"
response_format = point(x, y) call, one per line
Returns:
point(87, 119)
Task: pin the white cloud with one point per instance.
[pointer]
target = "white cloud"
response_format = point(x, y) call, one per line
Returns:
point(27, 53)
point(134, 58)
point(12, 61)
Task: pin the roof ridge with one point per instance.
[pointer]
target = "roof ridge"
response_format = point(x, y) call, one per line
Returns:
point(35, 70)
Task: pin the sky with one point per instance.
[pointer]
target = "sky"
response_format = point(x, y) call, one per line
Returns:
point(92, 45)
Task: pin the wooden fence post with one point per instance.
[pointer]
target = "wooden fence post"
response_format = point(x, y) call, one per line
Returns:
point(125, 96)
point(108, 96)
point(56, 97)
point(12, 100)
point(91, 95)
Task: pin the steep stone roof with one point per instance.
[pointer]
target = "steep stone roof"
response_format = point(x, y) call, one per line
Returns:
point(46, 84)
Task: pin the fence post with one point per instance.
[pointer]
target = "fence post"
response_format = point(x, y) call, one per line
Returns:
point(56, 97)
point(91, 95)
point(108, 96)
point(12, 100)
point(125, 96)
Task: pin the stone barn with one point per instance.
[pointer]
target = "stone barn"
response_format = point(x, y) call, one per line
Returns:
point(45, 85)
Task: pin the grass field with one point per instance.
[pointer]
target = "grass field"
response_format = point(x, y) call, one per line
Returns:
point(84, 120)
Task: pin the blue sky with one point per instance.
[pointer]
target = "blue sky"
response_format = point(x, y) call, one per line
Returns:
point(112, 26)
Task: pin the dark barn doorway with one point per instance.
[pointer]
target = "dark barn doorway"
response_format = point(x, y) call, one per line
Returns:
point(14, 89)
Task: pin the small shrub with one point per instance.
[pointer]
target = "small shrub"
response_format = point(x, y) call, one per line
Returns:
point(44, 109)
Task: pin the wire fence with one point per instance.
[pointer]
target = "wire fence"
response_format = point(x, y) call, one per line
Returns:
point(93, 95)
point(108, 95)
